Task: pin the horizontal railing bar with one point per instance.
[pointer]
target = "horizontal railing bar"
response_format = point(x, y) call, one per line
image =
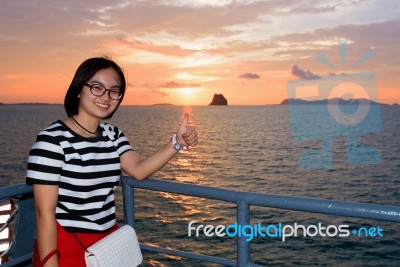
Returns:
point(307, 204)
point(189, 255)
point(18, 261)
point(316, 205)
point(326, 206)
point(10, 191)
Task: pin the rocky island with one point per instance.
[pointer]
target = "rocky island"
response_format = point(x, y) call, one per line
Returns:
point(219, 100)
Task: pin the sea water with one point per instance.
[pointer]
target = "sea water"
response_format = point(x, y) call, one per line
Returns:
point(244, 148)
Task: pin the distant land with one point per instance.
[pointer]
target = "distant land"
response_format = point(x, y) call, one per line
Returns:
point(362, 101)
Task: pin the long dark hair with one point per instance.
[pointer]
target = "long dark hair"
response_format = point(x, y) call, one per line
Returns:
point(83, 74)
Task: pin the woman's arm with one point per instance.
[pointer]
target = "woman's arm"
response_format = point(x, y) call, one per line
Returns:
point(46, 197)
point(140, 168)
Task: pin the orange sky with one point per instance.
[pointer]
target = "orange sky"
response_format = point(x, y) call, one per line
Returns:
point(183, 52)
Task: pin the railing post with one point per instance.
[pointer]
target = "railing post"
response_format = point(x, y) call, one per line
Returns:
point(128, 197)
point(243, 247)
point(24, 231)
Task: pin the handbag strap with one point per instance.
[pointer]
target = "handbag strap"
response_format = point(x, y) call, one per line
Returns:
point(76, 237)
point(48, 256)
point(80, 242)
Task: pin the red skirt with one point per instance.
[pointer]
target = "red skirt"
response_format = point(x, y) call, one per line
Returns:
point(71, 253)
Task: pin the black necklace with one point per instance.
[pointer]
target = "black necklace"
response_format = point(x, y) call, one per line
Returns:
point(83, 128)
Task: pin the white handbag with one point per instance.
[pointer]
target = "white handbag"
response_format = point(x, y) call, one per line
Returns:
point(118, 249)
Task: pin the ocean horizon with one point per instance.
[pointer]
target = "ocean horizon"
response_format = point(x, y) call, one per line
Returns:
point(296, 101)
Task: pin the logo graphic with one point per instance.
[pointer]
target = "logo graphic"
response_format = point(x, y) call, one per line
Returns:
point(280, 230)
point(338, 105)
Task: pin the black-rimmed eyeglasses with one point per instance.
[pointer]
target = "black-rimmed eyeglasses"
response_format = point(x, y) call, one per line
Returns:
point(99, 90)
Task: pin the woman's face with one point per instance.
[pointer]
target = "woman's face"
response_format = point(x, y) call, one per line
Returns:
point(93, 104)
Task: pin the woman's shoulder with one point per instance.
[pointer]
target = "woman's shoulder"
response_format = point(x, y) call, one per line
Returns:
point(49, 136)
point(112, 131)
point(56, 132)
point(108, 127)
point(54, 127)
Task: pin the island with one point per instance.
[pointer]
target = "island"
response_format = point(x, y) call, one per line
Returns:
point(219, 100)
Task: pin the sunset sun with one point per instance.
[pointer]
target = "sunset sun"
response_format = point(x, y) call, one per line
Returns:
point(187, 91)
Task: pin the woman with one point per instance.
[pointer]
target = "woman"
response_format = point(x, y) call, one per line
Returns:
point(76, 163)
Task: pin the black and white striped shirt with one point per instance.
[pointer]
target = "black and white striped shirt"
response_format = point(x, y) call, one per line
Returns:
point(86, 171)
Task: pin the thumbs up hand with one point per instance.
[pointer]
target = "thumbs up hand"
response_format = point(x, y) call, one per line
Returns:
point(186, 134)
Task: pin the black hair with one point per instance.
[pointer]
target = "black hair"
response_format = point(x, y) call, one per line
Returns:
point(83, 74)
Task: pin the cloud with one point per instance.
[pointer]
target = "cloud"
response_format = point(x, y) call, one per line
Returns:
point(173, 84)
point(172, 50)
point(154, 90)
point(326, 40)
point(182, 17)
point(167, 37)
point(304, 74)
point(250, 76)
point(339, 74)
point(318, 6)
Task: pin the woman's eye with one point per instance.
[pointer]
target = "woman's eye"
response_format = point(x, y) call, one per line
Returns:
point(97, 88)
point(115, 92)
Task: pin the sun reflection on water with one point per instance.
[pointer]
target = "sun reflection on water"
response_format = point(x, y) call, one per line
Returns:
point(190, 205)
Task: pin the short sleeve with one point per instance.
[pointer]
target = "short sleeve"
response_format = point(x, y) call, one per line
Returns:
point(119, 139)
point(45, 160)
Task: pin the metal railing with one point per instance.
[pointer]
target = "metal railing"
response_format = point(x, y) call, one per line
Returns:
point(23, 241)
point(243, 202)
point(22, 244)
